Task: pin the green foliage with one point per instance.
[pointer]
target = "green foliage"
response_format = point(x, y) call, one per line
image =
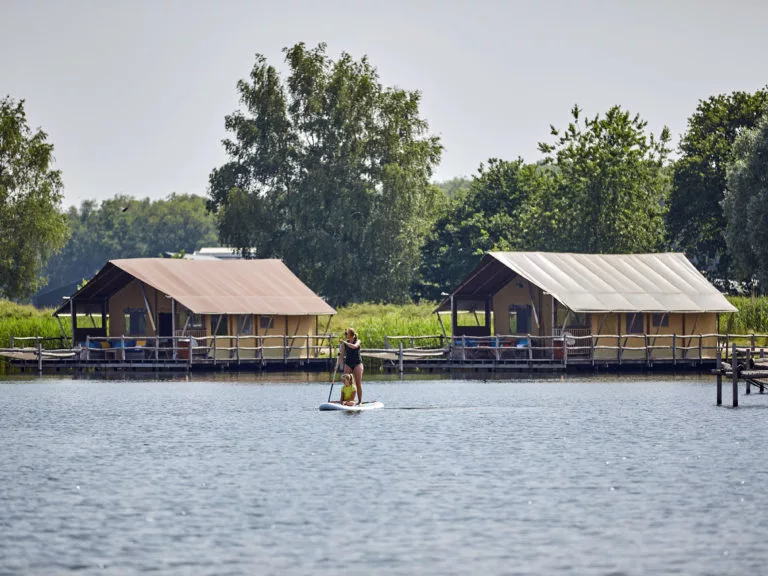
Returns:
point(31, 226)
point(329, 171)
point(601, 189)
point(612, 188)
point(126, 227)
point(752, 317)
point(745, 204)
point(27, 321)
point(453, 186)
point(696, 221)
point(503, 209)
point(375, 321)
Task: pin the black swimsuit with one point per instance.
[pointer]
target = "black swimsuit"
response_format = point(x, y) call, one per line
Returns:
point(352, 357)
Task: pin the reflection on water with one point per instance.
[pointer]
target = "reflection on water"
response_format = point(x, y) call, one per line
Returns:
point(241, 474)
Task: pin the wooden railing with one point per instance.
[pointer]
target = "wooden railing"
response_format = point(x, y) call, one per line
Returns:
point(513, 349)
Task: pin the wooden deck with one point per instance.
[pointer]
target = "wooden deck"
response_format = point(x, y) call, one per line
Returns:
point(529, 354)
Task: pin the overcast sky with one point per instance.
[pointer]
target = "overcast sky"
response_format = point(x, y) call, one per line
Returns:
point(133, 94)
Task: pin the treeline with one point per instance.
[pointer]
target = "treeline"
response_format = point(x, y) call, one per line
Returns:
point(125, 227)
point(333, 172)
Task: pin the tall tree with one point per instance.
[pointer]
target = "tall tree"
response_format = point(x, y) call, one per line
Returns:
point(612, 179)
point(696, 221)
point(330, 171)
point(32, 226)
point(502, 209)
point(746, 204)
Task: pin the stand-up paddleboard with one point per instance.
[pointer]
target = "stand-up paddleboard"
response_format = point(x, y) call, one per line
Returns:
point(363, 406)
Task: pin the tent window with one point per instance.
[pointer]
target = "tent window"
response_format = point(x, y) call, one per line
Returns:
point(135, 322)
point(659, 320)
point(519, 319)
point(223, 328)
point(266, 322)
point(634, 323)
point(245, 323)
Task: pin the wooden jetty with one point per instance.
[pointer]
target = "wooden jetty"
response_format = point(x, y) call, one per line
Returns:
point(533, 353)
point(184, 354)
point(747, 364)
point(433, 353)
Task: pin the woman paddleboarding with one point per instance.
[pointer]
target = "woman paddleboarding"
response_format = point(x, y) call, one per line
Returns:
point(353, 363)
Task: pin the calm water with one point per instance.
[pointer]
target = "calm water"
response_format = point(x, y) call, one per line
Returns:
point(579, 476)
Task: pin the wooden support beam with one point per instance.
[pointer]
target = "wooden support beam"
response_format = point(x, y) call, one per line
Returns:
point(735, 374)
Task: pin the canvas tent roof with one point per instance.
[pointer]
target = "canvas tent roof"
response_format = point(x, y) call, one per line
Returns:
point(665, 282)
point(209, 286)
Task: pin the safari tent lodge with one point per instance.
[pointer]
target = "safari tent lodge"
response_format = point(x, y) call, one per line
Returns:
point(206, 311)
point(585, 308)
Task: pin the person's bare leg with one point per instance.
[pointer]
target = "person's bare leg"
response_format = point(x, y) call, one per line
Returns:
point(358, 374)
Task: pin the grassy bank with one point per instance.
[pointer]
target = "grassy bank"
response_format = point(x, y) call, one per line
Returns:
point(752, 316)
point(375, 321)
point(22, 320)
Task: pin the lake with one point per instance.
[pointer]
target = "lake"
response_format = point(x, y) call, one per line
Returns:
point(243, 475)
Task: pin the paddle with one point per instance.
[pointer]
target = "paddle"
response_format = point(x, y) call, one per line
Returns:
point(335, 367)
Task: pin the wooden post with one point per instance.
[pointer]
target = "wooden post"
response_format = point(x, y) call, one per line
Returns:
point(173, 328)
point(719, 367)
point(87, 348)
point(735, 372)
point(237, 347)
point(496, 351)
point(727, 346)
point(308, 349)
point(285, 348)
point(752, 342)
point(189, 356)
point(674, 349)
point(39, 355)
point(214, 349)
point(12, 342)
point(647, 352)
point(747, 361)
point(619, 353)
point(530, 350)
point(122, 347)
point(400, 358)
point(701, 349)
point(157, 348)
point(565, 351)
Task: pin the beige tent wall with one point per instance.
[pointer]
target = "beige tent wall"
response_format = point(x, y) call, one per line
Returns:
point(131, 297)
point(688, 327)
point(605, 325)
point(519, 292)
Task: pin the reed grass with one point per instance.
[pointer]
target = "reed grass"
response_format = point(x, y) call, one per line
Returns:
point(752, 316)
point(375, 321)
point(24, 320)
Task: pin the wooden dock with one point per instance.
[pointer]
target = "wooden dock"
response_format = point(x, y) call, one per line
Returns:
point(746, 364)
point(401, 354)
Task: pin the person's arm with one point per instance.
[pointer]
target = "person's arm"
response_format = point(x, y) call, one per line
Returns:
point(353, 345)
point(340, 360)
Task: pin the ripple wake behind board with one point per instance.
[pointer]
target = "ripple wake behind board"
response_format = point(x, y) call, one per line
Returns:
point(363, 406)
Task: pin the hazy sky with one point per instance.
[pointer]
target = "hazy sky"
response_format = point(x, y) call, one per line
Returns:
point(133, 94)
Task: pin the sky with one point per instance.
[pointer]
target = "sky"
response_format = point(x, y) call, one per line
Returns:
point(133, 94)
